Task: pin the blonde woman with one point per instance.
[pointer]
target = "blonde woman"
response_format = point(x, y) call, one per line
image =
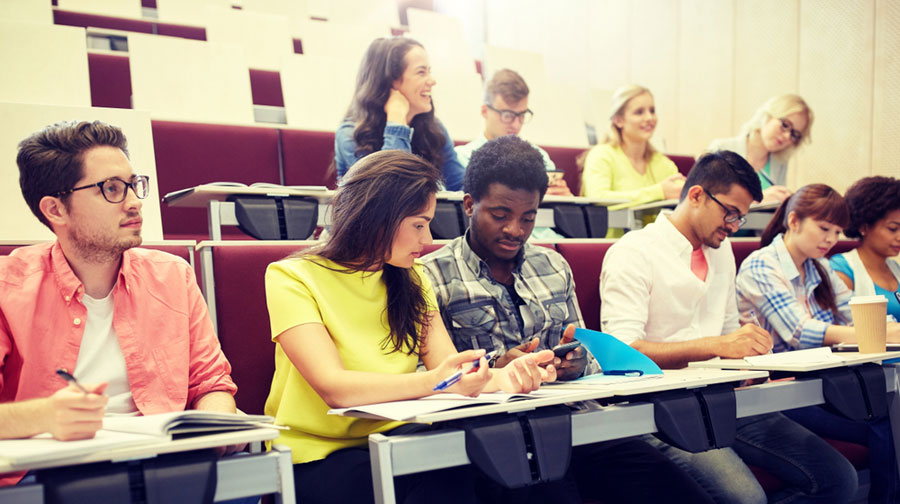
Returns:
point(626, 165)
point(768, 140)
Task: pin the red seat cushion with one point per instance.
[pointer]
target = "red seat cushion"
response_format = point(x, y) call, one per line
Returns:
point(307, 157)
point(684, 163)
point(243, 319)
point(586, 261)
point(175, 30)
point(190, 154)
point(70, 18)
point(110, 76)
point(265, 86)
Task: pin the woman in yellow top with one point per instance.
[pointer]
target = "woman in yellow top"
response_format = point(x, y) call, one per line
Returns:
point(352, 318)
point(625, 165)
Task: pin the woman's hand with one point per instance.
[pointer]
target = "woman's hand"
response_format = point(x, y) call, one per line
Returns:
point(558, 187)
point(397, 107)
point(672, 185)
point(472, 381)
point(525, 374)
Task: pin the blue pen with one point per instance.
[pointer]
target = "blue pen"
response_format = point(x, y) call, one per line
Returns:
point(624, 372)
point(455, 377)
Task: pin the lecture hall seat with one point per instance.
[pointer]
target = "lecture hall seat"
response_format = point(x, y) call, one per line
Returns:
point(242, 316)
point(190, 154)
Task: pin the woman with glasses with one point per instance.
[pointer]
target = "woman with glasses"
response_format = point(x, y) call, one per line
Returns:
point(768, 140)
point(871, 268)
point(789, 289)
point(351, 320)
point(626, 166)
point(392, 109)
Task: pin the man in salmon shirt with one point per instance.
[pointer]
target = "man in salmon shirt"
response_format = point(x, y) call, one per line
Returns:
point(128, 323)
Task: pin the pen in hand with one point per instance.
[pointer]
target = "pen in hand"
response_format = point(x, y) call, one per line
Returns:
point(65, 375)
point(455, 377)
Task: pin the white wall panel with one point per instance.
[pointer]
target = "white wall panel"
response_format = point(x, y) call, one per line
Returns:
point(608, 33)
point(886, 99)
point(766, 39)
point(835, 77)
point(705, 72)
point(653, 63)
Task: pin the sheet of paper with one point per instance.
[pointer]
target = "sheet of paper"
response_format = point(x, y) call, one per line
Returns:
point(810, 355)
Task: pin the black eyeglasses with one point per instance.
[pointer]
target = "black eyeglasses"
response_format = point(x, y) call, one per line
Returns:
point(508, 116)
point(731, 215)
point(115, 189)
point(786, 126)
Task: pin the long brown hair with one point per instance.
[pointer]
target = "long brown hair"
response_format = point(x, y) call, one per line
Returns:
point(819, 202)
point(380, 191)
point(384, 63)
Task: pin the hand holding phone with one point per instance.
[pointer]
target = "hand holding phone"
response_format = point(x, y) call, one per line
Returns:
point(562, 350)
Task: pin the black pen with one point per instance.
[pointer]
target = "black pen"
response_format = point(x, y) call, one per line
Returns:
point(71, 379)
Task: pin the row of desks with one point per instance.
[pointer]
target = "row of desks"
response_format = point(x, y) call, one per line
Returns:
point(261, 473)
point(580, 216)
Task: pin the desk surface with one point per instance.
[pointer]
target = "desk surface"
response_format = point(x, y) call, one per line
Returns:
point(584, 391)
point(151, 449)
point(839, 359)
point(201, 195)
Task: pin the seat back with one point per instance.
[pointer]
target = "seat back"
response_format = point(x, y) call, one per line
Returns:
point(586, 260)
point(237, 273)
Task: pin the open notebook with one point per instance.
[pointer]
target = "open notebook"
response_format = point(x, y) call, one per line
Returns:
point(125, 431)
point(406, 410)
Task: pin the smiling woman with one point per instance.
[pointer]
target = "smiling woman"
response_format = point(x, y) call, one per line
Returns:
point(769, 139)
point(392, 109)
point(626, 166)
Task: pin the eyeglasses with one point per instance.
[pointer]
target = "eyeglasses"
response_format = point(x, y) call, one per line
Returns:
point(114, 190)
point(731, 215)
point(508, 116)
point(786, 126)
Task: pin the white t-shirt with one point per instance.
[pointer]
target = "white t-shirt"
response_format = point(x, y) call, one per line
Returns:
point(100, 357)
point(648, 291)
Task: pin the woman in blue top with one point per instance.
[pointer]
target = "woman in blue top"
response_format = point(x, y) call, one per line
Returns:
point(790, 290)
point(392, 109)
point(875, 220)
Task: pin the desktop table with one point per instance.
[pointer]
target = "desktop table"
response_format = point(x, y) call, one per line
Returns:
point(409, 454)
point(632, 217)
point(215, 197)
point(244, 475)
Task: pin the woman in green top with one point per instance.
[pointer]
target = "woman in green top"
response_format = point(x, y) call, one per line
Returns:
point(626, 166)
point(352, 318)
point(769, 139)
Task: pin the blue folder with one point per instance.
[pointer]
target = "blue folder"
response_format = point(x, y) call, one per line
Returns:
point(614, 356)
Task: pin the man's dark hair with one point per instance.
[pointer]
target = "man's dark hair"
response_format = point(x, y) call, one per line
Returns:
point(508, 160)
point(51, 160)
point(870, 199)
point(718, 171)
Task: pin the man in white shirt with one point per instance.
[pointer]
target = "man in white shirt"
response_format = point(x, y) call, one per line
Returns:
point(668, 290)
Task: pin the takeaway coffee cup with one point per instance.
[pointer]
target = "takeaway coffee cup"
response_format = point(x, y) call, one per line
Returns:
point(870, 321)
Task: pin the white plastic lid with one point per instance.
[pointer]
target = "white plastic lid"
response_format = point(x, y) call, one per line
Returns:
point(868, 299)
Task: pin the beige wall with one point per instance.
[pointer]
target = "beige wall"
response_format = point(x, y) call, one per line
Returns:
point(711, 63)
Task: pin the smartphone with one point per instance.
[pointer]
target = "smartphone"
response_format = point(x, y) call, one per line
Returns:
point(555, 176)
point(562, 350)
